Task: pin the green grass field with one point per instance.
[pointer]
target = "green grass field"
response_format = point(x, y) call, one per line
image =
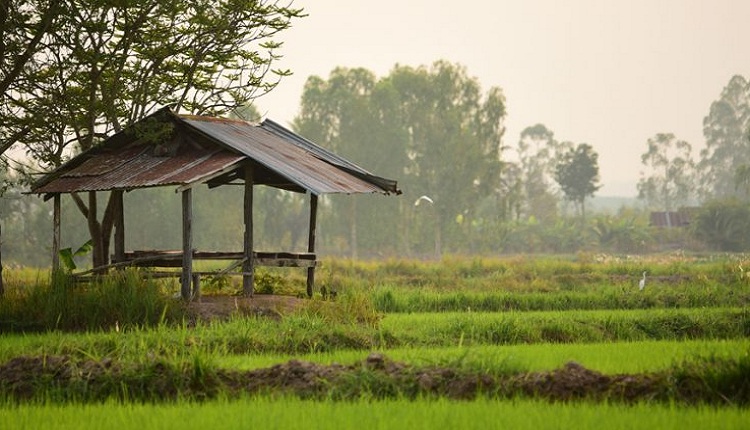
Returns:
point(474, 316)
point(289, 413)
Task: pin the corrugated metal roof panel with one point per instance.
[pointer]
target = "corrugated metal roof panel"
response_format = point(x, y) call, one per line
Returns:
point(205, 148)
point(291, 161)
point(141, 171)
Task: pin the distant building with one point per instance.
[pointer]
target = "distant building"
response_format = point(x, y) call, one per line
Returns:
point(669, 219)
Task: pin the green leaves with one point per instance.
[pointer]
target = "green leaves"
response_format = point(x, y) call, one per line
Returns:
point(67, 256)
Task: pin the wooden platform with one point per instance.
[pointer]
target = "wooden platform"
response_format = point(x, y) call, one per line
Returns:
point(173, 259)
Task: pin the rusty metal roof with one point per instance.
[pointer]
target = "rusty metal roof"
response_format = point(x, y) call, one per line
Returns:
point(203, 149)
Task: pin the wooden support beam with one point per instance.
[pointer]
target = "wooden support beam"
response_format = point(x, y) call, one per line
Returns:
point(196, 287)
point(56, 233)
point(311, 242)
point(248, 266)
point(187, 243)
point(119, 225)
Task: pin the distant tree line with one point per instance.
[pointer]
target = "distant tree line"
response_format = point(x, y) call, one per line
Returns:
point(75, 72)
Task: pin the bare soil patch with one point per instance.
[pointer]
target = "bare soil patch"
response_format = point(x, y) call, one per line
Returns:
point(222, 307)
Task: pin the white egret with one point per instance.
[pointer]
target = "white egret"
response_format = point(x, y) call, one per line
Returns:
point(642, 284)
point(425, 198)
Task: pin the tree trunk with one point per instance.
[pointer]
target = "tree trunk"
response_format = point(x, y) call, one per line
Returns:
point(100, 232)
point(583, 211)
point(95, 230)
point(56, 204)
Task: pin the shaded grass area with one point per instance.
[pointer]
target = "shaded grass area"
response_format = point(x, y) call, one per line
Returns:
point(292, 413)
point(63, 379)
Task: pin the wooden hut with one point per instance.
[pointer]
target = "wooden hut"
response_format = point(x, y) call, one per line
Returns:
point(184, 151)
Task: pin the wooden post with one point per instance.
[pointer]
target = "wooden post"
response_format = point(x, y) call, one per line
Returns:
point(55, 233)
point(197, 287)
point(248, 266)
point(187, 243)
point(119, 227)
point(311, 242)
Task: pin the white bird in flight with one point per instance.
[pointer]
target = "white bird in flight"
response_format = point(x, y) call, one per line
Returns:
point(425, 198)
point(642, 284)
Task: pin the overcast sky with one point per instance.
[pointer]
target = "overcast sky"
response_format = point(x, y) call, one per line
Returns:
point(608, 73)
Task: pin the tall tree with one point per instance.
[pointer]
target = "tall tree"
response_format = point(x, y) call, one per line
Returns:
point(578, 175)
point(670, 182)
point(107, 64)
point(454, 135)
point(349, 113)
point(431, 127)
point(538, 153)
point(727, 144)
point(23, 26)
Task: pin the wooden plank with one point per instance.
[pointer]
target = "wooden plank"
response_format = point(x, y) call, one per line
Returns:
point(204, 179)
point(285, 262)
point(311, 242)
point(173, 258)
point(187, 243)
point(247, 245)
point(56, 233)
point(167, 255)
point(196, 287)
point(119, 225)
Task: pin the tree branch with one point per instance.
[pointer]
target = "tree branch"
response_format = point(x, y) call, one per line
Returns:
point(42, 27)
point(80, 204)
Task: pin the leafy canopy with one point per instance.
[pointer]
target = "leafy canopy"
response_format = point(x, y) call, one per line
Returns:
point(97, 66)
point(578, 174)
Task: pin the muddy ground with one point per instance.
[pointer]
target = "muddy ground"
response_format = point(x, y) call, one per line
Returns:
point(34, 377)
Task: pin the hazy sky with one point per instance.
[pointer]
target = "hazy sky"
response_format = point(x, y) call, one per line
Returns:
point(608, 73)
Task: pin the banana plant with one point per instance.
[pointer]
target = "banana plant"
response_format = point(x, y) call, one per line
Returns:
point(67, 256)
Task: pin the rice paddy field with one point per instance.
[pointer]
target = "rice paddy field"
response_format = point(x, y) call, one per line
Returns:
point(515, 342)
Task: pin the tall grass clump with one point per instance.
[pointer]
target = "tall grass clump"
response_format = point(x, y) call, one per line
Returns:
point(123, 299)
